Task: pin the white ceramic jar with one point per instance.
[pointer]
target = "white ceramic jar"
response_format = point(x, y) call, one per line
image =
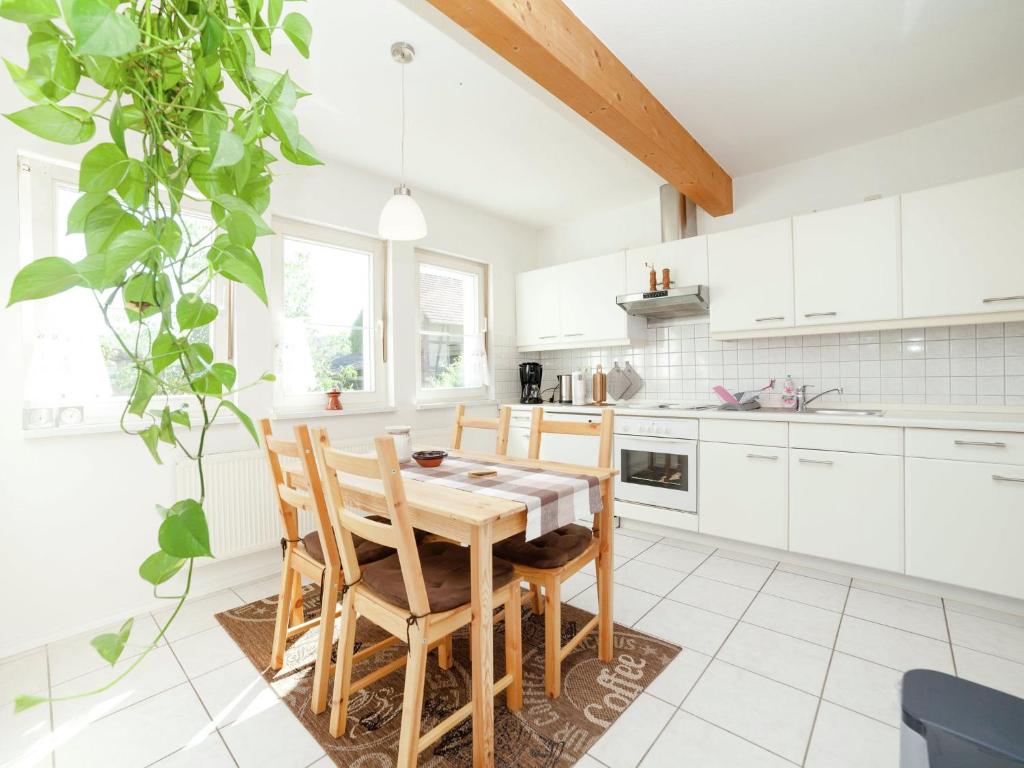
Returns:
point(403, 442)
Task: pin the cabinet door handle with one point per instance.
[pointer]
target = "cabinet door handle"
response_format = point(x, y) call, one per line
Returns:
point(762, 456)
point(993, 299)
point(570, 335)
point(553, 336)
point(820, 314)
point(767, 319)
point(1006, 479)
point(817, 461)
point(979, 443)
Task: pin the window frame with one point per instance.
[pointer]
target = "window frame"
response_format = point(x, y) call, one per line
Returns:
point(380, 396)
point(461, 264)
point(40, 180)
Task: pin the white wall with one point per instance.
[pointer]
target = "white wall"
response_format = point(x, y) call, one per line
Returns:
point(77, 512)
point(973, 144)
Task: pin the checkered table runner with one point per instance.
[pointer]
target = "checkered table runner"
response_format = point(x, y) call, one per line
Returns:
point(552, 499)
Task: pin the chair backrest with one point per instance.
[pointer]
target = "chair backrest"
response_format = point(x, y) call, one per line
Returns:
point(298, 486)
point(500, 425)
point(600, 429)
point(398, 534)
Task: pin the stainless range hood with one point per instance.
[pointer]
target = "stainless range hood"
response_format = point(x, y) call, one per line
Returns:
point(678, 221)
point(666, 304)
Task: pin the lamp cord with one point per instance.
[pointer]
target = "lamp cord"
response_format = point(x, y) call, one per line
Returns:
point(402, 171)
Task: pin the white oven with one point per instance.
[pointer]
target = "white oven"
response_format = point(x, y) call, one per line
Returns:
point(657, 462)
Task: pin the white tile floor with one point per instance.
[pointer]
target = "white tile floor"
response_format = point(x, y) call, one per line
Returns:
point(781, 665)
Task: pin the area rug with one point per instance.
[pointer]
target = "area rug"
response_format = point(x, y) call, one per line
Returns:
point(547, 733)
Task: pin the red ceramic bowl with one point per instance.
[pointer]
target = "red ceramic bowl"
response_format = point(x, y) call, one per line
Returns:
point(429, 458)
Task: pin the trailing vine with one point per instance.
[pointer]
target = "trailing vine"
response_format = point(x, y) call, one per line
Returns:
point(190, 117)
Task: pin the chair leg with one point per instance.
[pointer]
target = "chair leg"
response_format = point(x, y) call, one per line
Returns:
point(412, 701)
point(445, 658)
point(284, 604)
point(322, 667)
point(553, 637)
point(538, 599)
point(514, 648)
point(298, 615)
point(343, 668)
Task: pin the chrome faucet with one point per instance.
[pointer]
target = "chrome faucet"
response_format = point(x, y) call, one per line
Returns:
point(801, 398)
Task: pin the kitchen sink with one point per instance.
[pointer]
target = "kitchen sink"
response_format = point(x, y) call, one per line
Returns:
point(842, 412)
point(820, 411)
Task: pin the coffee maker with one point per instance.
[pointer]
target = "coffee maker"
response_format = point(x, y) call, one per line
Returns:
point(529, 378)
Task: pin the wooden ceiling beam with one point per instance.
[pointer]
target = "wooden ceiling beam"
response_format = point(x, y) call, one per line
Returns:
point(547, 42)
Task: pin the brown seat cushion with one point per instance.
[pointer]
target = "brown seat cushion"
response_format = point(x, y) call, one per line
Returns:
point(366, 551)
point(552, 550)
point(446, 573)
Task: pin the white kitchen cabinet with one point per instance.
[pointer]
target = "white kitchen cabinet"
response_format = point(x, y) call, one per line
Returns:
point(744, 493)
point(687, 260)
point(847, 507)
point(573, 305)
point(537, 307)
point(751, 278)
point(589, 289)
point(846, 264)
point(965, 524)
point(963, 247)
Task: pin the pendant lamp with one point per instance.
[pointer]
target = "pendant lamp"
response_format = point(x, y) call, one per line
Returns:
point(401, 218)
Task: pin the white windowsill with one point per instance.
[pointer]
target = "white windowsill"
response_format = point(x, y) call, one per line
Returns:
point(317, 413)
point(107, 428)
point(438, 404)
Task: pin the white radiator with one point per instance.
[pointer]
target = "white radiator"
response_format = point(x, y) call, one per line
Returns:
point(241, 506)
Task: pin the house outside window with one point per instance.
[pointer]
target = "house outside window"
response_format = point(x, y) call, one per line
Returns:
point(452, 325)
point(329, 300)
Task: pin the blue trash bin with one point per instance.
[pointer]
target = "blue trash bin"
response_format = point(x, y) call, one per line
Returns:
point(953, 723)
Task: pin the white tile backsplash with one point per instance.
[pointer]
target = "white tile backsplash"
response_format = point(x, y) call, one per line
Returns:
point(956, 365)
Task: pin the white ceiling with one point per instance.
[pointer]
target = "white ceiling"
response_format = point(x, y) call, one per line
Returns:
point(477, 131)
point(762, 83)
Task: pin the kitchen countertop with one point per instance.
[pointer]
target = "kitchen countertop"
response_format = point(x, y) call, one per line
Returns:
point(1005, 420)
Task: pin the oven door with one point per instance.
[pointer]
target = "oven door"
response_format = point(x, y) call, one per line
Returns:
point(661, 472)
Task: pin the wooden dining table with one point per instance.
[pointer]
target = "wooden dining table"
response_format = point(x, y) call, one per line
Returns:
point(479, 521)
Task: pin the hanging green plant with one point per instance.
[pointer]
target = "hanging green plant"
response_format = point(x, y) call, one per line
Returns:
point(190, 116)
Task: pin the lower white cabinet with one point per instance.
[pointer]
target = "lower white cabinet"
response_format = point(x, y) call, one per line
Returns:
point(744, 492)
point(965, 524)
point(847, 506)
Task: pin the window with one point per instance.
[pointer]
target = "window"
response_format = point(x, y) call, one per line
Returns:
point(452, 321)
point(76, 372)
point(329, 315)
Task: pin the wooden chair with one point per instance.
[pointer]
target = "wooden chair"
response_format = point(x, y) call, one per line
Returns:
point(547, 561)
point(500, 425)
point(395, 595)
point(314, 555)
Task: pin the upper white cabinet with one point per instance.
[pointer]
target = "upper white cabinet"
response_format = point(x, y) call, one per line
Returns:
point(537, 301)
point(687, 259)
point(963, 247)
point(573, 305)
point(751, 277)
point(846, 264)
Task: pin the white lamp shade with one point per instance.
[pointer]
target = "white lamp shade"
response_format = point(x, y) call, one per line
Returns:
point(402, 218)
